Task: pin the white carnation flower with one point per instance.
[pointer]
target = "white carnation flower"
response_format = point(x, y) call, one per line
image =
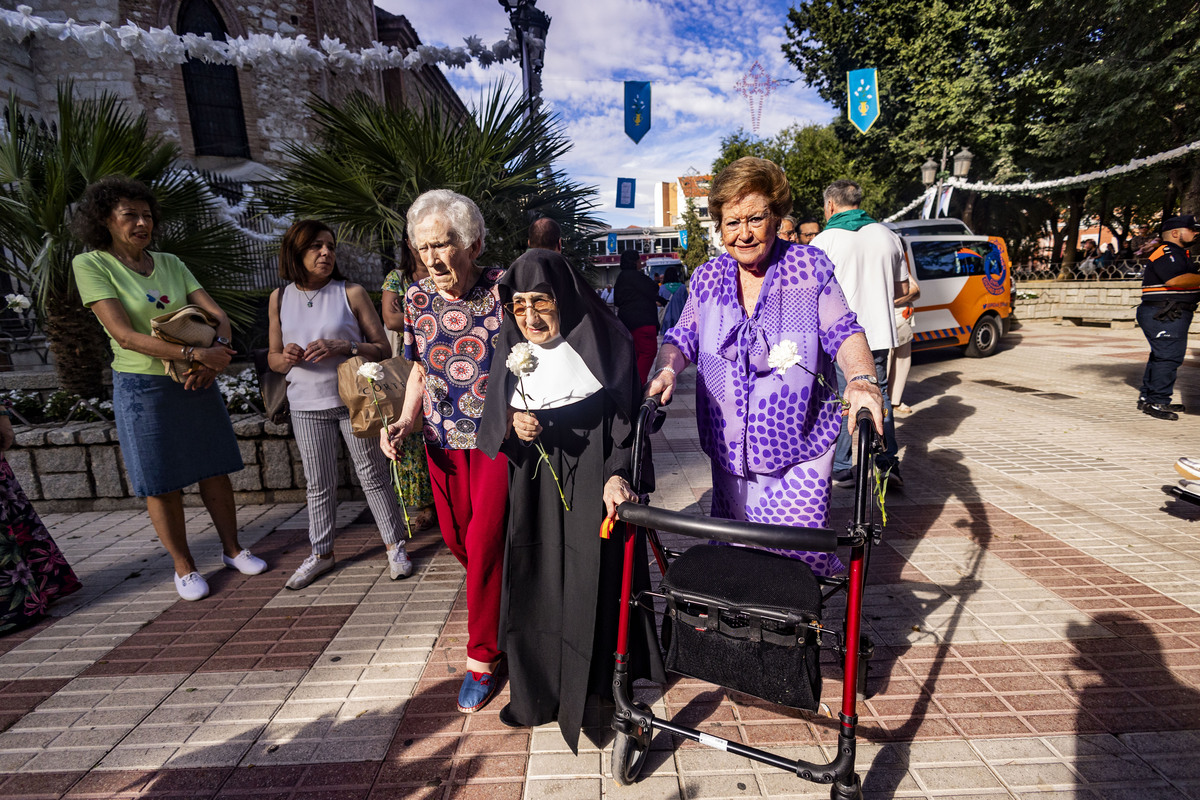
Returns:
point(521, 361)
point(784, 355)
point(372, 371)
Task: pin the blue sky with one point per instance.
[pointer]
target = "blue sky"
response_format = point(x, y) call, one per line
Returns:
point(692, 53)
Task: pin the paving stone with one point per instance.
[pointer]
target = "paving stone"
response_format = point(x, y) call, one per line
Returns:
point(564, 789)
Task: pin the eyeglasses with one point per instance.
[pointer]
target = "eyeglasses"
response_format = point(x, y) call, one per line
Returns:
point(756, 223)
point(541, 306)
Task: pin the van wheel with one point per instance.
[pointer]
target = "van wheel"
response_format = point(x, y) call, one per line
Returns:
point(985, 338)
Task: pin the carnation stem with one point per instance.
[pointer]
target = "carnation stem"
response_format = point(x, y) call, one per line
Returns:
point(544, 455)
point(393, 466)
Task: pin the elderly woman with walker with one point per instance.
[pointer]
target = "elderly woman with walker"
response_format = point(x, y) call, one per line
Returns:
point(763, 324)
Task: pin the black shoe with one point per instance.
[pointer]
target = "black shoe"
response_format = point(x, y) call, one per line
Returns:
point(1158, 411)
point(506, 716)
point(843, 477)
point(1178, 408)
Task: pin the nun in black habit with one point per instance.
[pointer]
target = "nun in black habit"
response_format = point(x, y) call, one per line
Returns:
point(561, 588)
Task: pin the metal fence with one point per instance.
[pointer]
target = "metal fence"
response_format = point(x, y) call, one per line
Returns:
point(1095, 270)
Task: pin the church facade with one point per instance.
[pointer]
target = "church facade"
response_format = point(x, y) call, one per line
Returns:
point(225, 119)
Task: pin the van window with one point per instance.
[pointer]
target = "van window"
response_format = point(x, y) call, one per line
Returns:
point(950, 259)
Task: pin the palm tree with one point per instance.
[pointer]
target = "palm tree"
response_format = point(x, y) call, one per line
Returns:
point(371, 161)
point(44, 169)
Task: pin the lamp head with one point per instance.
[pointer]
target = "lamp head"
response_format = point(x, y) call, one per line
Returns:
point(962, 163)
point(929, 171)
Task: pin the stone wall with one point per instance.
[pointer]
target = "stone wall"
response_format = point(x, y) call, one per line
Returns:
point(273, 97)
point(1110, 303)
point(78, 466)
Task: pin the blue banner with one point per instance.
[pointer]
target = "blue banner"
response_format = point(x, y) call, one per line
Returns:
point(637, 109)
point(862, 98)
point(683, 239)
point(612, 244)
point(625, 192)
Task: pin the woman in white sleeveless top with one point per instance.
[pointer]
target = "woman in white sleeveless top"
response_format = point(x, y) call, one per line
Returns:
point(318, 321)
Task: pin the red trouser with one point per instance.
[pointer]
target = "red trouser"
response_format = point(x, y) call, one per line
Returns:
point(645, 347)
point(470, 492)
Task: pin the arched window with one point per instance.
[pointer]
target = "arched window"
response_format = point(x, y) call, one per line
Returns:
point(213, 96)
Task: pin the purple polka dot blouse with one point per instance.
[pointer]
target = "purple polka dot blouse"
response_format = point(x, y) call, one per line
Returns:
point(753, 419)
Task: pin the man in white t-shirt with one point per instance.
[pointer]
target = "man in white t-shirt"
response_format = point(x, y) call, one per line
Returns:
point(868, 261)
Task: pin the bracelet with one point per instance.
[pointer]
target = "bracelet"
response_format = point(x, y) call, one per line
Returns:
point(665, 368)
point(190, 355)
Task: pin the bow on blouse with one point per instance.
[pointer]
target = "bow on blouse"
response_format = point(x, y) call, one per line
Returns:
point(746, 344)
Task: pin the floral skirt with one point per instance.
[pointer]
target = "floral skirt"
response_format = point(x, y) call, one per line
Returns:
point(415, 487)
point(33, 572)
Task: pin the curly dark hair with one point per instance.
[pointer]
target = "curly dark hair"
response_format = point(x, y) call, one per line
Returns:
point(90, 222)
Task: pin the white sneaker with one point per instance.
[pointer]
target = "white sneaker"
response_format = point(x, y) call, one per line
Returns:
point(1191, 487)
point(191, 586)
point(313, 567)
point(1188, 468)
point(399, 563)
point(246, 563)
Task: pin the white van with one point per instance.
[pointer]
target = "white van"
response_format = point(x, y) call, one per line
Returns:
point(966, 288)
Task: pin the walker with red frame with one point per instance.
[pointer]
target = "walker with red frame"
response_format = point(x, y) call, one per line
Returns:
point(715, 617)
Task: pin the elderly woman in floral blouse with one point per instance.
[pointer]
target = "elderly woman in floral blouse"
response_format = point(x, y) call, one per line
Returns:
point(768, 424)
point(450, 322)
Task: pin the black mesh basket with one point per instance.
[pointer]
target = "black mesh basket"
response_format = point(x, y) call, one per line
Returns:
point(740, 618)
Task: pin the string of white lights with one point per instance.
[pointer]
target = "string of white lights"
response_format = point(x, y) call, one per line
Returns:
point(164, 46)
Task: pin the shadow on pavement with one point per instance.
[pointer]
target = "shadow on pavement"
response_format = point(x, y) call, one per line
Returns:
point(929, 423)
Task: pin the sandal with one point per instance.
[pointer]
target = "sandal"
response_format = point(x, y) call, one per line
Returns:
point(902, 410)
point(425, 518)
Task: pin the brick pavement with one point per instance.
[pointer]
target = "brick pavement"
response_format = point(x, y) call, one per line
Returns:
point(1035, 609)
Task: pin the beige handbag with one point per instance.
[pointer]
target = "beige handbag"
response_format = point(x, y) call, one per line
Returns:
point(190, 326)
point(355, 391)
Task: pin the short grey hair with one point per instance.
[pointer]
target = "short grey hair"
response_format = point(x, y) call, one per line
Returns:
point(460, 213)
point(843, 194)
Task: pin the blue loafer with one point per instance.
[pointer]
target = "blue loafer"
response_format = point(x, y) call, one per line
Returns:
point(477, 689)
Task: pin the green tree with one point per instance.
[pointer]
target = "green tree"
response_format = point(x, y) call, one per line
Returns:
point(697, 247)
point(937, 77)
point(45, 168)
point(370, 162)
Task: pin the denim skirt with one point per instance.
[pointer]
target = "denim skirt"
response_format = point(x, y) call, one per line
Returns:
point(171, 437)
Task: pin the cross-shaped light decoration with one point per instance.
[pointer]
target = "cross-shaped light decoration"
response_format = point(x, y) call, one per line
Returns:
point(755, 85)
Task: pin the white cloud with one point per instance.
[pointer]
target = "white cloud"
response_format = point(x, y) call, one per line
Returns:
point(692, 52)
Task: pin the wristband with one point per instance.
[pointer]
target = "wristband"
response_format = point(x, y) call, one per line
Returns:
point(663, 369)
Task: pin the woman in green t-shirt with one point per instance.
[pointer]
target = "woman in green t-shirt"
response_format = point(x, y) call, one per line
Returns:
point(172, 434)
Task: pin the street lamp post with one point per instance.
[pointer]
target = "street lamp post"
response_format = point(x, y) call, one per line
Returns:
point(932, 172)
point(529, 22)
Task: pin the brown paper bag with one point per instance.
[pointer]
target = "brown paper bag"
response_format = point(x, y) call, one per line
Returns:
point(355, 391)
